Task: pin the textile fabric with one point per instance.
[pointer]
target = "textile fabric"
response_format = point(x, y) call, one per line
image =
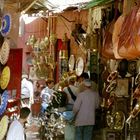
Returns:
point(16, 131)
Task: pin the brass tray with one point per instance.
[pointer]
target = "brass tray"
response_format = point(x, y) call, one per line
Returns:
point(5, 77)
point(3, 126)
point(71, 63)
point(119, 120)
point(79, 66)
point(4, 52)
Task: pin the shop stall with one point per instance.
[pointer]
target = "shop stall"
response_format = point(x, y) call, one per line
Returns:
point(101, 39)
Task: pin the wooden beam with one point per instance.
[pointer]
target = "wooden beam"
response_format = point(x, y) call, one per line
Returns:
point(30, 6)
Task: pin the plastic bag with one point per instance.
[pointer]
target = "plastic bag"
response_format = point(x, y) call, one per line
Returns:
point(69, 132)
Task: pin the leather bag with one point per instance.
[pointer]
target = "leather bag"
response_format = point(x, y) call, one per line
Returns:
point(128, 45)
point(107, 49)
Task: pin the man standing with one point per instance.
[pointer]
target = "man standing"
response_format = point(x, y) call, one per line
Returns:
point(84, 110)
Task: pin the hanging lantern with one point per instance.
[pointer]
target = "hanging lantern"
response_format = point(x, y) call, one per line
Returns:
point(36, 45)
point(42, 44)
point(32, 40)
point(28, 41)
point(65, 38)
point(53, 39)
point(46, 41)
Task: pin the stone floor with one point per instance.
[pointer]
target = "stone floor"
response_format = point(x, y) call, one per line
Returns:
point(32, 132)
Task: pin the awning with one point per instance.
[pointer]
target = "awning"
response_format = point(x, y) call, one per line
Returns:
point(95, 3)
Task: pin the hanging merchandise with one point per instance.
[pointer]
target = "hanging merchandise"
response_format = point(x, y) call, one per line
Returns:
point(115, 120)
point(115, 36)
point(5, 77)
point(112, 76)
point(21, 27)
point(123, 68)
point(79, 35)
point(32, 40)
point(3, 126)
point(1, 39)
point(53, 39)
point(94, 62)
point(129, 36)
point(126, 33)
point(110, 120)
point(107, 49)
point(132, 67)
point(112, 65)
point(94, 24)
point(4, 52)
point(79, 66)
point(44, 71)
point(136, 93)
point(63, 61)
point(46, 41)
point(62, 58)
point(1, 4)
point(71, 63)
point(137, 79)
point(4, 101)
point(6, 24)
point(96, 18)
point(1, 36)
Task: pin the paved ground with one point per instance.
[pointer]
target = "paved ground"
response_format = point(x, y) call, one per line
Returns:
point(32, 130)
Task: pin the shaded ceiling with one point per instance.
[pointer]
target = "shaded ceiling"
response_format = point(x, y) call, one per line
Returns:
point(34, 6)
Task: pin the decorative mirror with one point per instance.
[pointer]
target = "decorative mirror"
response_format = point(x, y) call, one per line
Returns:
point(79, 66)
point(71, 63)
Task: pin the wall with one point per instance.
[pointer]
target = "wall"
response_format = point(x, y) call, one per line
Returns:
point(66, 23)
point(38, 28)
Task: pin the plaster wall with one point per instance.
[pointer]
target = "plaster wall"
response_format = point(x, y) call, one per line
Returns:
point(66, 23)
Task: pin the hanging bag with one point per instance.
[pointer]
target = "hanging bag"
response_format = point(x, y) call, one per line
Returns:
point(107, 48)
point(128, 44)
